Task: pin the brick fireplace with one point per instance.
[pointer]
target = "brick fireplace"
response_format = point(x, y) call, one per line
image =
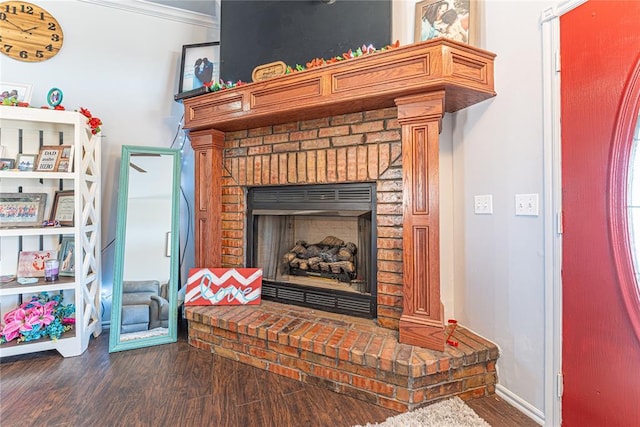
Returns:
point(358, 147)
point(375, 120)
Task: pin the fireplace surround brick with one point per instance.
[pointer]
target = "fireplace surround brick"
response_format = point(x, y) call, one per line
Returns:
point(358, 147)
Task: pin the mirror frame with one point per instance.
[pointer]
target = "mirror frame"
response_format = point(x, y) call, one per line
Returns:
point(115, 344)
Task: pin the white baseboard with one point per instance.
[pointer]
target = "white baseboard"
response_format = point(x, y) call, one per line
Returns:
point(520, 404)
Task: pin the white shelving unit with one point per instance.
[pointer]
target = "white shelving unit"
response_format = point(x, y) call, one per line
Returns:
point(24, 130)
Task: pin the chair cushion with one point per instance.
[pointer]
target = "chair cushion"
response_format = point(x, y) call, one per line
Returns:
point(136, 286)
point(135, 318)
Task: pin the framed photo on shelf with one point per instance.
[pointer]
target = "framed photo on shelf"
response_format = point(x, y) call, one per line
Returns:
point(20, 91)
point(22, 209)
point(63, 208)
point(31, 263)
point(26, 162)
point(65, 164)
point(200, 64)
point(6, 164)
point(66, 256)
point(48, 158)
point(455, 20)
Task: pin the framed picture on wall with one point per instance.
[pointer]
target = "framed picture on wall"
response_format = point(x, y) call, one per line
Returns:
point(452, 19)
point(200, 64)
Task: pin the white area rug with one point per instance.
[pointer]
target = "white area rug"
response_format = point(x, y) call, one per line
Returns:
point(144, 334)
point(447, 413)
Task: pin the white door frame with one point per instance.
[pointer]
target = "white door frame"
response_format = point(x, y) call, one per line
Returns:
point(550, 23)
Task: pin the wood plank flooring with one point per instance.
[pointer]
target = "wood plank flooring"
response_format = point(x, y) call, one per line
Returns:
point(178, 385)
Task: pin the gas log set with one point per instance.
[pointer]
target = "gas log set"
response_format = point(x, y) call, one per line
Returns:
point(331, 258)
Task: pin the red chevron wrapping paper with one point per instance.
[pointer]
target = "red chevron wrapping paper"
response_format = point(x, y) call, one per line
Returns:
point(224, 286)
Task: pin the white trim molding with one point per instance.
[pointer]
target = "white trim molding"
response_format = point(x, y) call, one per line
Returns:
point(560, 9)
point(159, 11)
point(520, 404)
point(550, 26)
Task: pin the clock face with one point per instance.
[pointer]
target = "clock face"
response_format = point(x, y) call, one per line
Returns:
point(28, 32)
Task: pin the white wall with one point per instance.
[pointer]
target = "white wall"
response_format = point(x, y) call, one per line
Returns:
point(497, 148)
point(121, 60)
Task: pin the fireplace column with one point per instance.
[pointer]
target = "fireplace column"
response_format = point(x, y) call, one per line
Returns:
point(207, 146)
point(421, 322)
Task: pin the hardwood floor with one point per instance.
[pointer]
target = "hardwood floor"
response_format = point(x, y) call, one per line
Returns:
point(177, 385)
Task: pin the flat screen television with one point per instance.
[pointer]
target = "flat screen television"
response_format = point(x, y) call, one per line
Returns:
point(254, 33)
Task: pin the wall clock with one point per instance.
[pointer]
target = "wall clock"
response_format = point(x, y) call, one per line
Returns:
point(28, 32)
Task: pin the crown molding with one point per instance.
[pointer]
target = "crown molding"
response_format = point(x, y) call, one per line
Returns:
point(159, 11)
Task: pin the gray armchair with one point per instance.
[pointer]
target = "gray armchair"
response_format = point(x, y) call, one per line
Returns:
point(144, 305)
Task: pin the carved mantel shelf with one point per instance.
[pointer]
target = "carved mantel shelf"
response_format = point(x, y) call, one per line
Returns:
point(366, 83)
point(424, 80)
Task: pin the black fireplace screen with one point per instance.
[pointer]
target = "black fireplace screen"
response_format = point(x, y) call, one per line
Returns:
point(315, 245)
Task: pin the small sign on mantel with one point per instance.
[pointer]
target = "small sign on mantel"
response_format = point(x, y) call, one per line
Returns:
point(268, 71)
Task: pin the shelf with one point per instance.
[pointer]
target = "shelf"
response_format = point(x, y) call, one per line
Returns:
point(13, 348)
point(25, 130)
point(14, 288)
point(40, 231)
point(41, 115)
point(14, 173)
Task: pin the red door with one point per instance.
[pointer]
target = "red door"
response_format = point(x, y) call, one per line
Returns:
point(600, 48)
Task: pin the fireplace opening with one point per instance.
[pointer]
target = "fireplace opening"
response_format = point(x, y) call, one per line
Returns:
point(316, 245)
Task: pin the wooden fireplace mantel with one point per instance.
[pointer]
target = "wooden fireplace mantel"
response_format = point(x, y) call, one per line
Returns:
point(424, 80)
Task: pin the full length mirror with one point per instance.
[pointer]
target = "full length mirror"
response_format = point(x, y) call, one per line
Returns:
point(144, 307)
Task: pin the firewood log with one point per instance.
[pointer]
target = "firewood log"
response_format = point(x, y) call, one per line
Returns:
point(345, 255)
point(330, 255)
point(331, 241)
point(298, 249)
point(314, 263)
point(295, 262)
point(351, 247)
point(312, 251)
point(288, 257)
point(345, 266)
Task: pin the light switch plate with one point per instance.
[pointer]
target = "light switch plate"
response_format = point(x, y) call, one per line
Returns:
point(483, 204)
point(527, 204)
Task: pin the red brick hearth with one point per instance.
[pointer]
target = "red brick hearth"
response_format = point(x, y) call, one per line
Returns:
point(345, 354)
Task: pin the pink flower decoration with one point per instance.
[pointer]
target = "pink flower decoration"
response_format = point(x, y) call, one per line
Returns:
point(42, 314)
point(21, 322)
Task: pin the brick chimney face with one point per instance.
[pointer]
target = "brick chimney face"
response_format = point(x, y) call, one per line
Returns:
point(359, 147)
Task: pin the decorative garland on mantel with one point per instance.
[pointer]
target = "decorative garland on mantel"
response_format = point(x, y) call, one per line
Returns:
point(314, 63)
